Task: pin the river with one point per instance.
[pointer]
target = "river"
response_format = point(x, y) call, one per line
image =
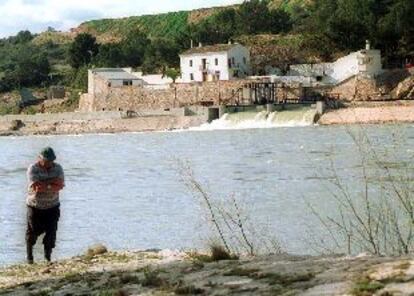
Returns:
point(124, 190)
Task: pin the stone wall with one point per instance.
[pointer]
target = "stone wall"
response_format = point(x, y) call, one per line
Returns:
point(64, 116)
point(357, 89)
point(141, 98)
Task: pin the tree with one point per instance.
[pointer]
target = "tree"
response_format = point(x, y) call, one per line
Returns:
point(82, 50)
point(110, 55)
point(254, 16)
point(219, 28)
point(172, 73)
point(161, 53)
point(22, 37)
point(133, 48)
point(79, 79)
point(28, 67)
point(279, 21)
point(396, 30)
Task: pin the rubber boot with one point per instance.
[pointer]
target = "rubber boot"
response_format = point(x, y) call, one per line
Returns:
point(29, 249)
point(48, 254)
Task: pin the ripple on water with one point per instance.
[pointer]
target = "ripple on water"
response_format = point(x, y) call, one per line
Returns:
point(124, 191)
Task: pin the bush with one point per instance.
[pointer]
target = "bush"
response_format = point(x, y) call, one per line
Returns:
point(219, 253)
point(377, 215)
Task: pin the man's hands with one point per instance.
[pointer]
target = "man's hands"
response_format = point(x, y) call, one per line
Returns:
point(53, 185)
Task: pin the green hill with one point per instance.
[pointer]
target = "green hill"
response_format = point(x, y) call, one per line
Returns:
point(166, 24)
point(160, 25)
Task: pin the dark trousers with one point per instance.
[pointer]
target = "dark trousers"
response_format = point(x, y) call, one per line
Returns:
point(42, 221)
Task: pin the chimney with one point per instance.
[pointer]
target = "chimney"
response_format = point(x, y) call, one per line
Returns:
point(191, 43)
point(200, 44)
point(367, 45)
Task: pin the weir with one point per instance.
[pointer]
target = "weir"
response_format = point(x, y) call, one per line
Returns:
point(269, 116)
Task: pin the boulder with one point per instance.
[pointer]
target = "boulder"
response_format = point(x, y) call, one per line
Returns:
point(96, 250)
point(405, 89)
point(16, 125)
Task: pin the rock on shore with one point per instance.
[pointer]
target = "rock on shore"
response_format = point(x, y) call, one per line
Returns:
point(178, 273)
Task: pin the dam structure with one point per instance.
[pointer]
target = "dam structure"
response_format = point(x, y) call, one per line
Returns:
point(269, 116)
point(267, 105)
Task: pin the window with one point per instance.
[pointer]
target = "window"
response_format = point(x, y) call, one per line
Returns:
point(244, 60)
point(191, 76)
point(127, 82)
point(233, 61)
point(229, 62)
point(216, 62)
point(191, 63)
point(217, 74)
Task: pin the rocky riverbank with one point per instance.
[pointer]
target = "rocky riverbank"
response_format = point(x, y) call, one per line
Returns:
point(113, 122)
point(371, 113)
point(22, 127)
point(181, 273)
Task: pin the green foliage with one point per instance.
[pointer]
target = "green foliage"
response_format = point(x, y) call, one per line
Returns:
point(24, 66)
point(217, 29)
point(256, 17)
point(129, 52)
point(9, 109)
point(252, 17)
point(153, 42)
point(21, 38)
point(166, 25)
point(172, 73)
point(82, 50)
point(152, 278)
point(366, 287)
point(79, 78)
point(30, 110)
point(347, 24)
point(133, 48)
point(160, 54)
point(109, 56)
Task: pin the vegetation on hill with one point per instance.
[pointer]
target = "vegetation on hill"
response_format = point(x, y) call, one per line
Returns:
point(166, 25)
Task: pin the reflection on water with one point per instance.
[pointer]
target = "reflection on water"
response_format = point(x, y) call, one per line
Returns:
point(124, 190)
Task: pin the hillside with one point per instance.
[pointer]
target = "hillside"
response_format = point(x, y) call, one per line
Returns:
point(278, 33)
point(166, 25)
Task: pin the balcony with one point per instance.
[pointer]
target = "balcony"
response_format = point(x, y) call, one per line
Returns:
point(203, 68)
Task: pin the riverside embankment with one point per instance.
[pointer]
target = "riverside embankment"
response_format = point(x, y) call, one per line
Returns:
point(189, 273)
point(97, 122)
point(371, 113)
point(115, 122)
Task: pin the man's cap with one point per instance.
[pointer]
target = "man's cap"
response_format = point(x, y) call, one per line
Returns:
point(48, 154)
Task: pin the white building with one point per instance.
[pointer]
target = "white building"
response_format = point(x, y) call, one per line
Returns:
point(215, 62)
point(365, 63)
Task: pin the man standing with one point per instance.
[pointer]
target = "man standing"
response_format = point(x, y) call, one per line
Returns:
point(46, 179)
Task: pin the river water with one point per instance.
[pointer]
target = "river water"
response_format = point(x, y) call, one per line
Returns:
point(125, 191)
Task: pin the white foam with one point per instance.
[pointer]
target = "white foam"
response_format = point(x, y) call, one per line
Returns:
point(249, 120)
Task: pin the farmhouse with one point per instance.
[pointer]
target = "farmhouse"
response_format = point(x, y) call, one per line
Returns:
point(215, 62)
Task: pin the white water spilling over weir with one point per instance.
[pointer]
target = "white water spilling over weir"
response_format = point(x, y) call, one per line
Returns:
point(253, 120)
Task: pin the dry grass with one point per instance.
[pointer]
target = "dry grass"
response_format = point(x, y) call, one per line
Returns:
point(219, 253)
